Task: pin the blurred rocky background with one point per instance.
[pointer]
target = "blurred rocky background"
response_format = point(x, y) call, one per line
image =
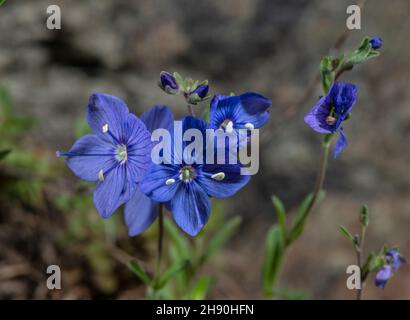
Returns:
point(270, 47)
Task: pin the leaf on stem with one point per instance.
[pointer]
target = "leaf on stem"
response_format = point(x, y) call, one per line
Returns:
point(280, 213)
point(274, 250)
point(299, 221)
point(220, 238)
point(201, 288)
point(171, 272)
point(348, 235)
point(135, 267)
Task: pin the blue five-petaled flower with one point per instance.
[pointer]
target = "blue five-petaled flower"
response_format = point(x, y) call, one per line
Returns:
point(393, 262)
point(140, 212)
point(116, 156)
point(186, 184)
point(331, 110)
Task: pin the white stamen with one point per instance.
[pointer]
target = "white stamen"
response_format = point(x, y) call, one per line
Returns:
point(180, 177)
point(101, 175)
point(105, 128)
point(249, 126)
point(218, 176)
point(170, 182)
point(229, 127)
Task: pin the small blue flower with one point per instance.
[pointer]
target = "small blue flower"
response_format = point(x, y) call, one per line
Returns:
point(140, 212)
point(168, 82)
point(376, 43)
point(393, 261)
point(186, 185)
point(396, 259)
point(331, 110)
point(116, 156)
point(247, 111)
point(201, 91)
point(383, 275)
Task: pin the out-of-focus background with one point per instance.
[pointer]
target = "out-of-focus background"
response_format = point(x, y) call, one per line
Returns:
point(270, 47)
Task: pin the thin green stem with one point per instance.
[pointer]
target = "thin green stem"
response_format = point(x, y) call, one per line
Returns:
point(359, 253)
point(160, 244)
point(190, 110)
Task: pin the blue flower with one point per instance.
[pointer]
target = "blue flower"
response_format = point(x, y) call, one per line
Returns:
point(376, 43)
point(186, 184)
point(201, 91)
point(331, 110)
point(168, 82)
point(247, 111)
point(383, 275)
point(396, 259)
point(393, 261)
point(140, 212)
point(116, 156)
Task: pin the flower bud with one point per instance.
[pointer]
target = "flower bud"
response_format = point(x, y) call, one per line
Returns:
point(201, 91)
point(376, 42)
point(168, 82)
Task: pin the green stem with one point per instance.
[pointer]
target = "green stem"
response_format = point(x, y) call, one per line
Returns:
point(160, 245)
point(359, 252)
point(190, 110)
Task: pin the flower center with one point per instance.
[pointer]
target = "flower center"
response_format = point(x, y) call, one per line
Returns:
point(121, 153)
point(227, 124)
point(330, 120)
point(187, 173)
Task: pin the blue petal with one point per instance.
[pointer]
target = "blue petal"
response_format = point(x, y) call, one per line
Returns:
point(158, 117)
point(96, 154)
point(201, 91)
point(115, 190)
point(341, 143)
point(382, 276)
point(254, 103)
point(316, 118)
point(247, 108)
point(105, 109)
point(227, 187)
point(140, 212)
point(397, 258)
point(190, 208)
point(139, 147)
point(344, 96)
point(154, 186)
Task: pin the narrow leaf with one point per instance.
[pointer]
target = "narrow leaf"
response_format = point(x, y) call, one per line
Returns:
point(201, 288)
point(220, 238)
point(137, 269)
point(171, 272)
point(180, 242)
point(4, 153)
point(274, 250)
point(348, 235)
point(280, 213)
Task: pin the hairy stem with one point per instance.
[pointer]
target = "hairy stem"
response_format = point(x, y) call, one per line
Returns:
point(190, 110)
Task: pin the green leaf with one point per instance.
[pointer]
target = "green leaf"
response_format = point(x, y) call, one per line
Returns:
point(2, 2)
point(280, 213)
point(171, 272)
point(219, 239)
point(326, 72)
point(181, 82)
point(363, 53)
point(274, 250)
point(201, 288)
point(286, 294)
point(180, 242)
point(348, 235)
point(364, 216)
point(135, 267)
point(365, 269)
point(4, 153)
point(299, 221)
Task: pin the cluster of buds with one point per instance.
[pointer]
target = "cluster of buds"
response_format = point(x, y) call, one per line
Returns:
point(193, 91)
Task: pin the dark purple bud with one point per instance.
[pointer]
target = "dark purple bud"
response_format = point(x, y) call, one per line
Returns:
point(383, 275)
point(168, 80)
point(376, 43)
point(201, 90)
point(396, 258)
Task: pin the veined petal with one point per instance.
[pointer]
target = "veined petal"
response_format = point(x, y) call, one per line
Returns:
point(316, 118)
point(190, 208)
point(109, 112)
point(90, 155)
point(154, 182)
point(113, 191)
point(158, 117)
point(232, 182)
point(341, 143)
point(139, 213)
